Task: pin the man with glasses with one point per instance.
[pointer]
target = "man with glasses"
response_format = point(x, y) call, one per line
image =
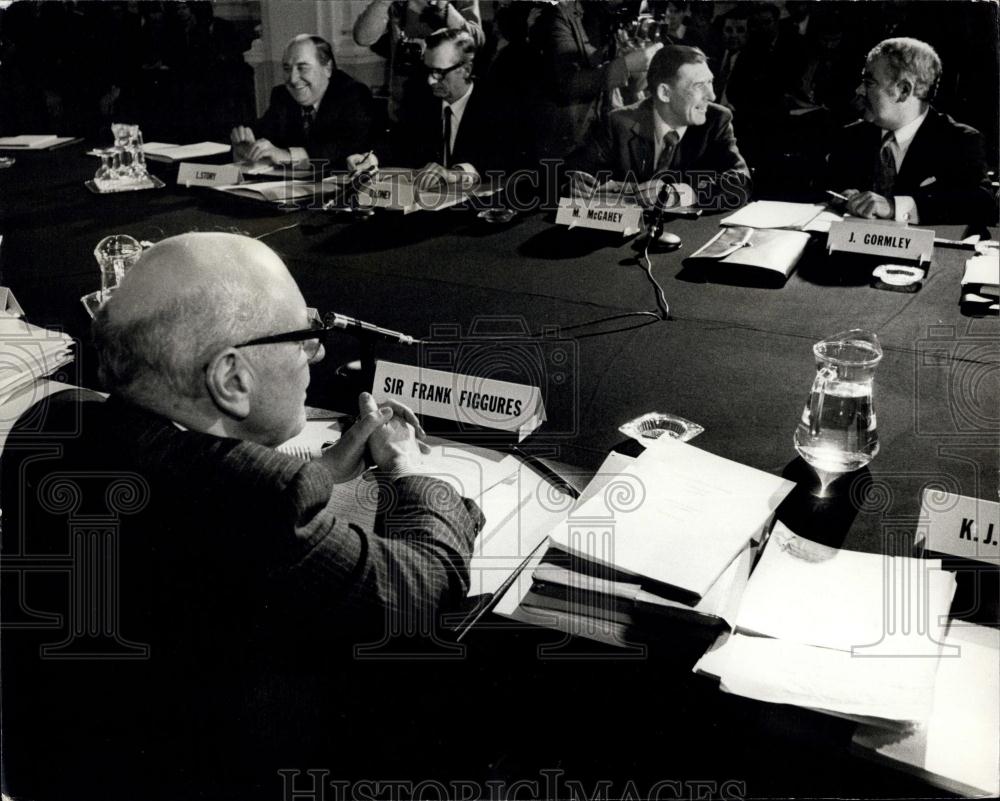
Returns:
point(904, 160)
point(234, 569)
point(455, 131)
point(678, 136)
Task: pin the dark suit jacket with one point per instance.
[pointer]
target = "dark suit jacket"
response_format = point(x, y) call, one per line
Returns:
point(344, 124)
point(946, 151)
point(707, 156)
point(239, 592)
point(484, 139)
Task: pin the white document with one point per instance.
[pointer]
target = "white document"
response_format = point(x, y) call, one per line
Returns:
point(519, 512)
point(783, 672)
point(820, 224)
point(273, 191)
point(775, 214)
point(28, 353)
point(31, 141)
point(983, 272)
point(161, 151)
point(958, 746)
point(867, 604)
point(681, 516)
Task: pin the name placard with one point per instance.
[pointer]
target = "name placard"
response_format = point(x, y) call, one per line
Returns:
point(477, 401)
point(389, 193)
point(622, 218)
point(897, 242)
point(192, 174)
point(961, 526)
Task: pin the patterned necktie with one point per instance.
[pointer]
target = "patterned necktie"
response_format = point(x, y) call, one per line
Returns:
point(670, 141)
point(885, 178)
point(447, 137)
point(308, 115)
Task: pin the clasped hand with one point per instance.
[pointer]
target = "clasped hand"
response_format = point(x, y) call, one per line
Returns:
point(389, 431)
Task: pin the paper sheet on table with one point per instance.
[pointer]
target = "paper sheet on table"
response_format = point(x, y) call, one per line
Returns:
point(27, 353)
point(520, 510)
point(866, 603)
point(958, 746)
point(783, 672)
point(774, 214)
point(680, 515)
point(162, 151)
point(820, 224)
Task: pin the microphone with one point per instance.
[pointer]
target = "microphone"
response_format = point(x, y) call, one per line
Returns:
point(354, 326)
point(656, 232)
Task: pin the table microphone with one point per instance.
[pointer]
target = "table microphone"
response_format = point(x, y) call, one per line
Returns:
point(352, 325)
point(656, 232)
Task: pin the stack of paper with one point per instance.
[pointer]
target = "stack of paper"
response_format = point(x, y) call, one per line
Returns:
point(272, 191)
point(957, 745)
point(677, 516)
point(849, 633)
point(28, 353)
point(162, 151)
point(981, 281)
point(627, 580)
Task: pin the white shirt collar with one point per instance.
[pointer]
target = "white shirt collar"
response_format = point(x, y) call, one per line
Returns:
point(660, 129)
point(904, 136)
point(458, 107)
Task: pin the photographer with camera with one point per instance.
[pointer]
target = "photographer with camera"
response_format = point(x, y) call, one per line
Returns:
point(396, 30)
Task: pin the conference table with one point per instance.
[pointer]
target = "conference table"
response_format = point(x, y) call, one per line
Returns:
point(530, 299)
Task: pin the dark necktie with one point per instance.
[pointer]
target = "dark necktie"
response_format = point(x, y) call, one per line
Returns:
point(447, 137)
point(670, 141)
point(308, 116)
point(885, 179)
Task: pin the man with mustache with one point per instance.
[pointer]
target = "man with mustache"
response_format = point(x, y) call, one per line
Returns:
point(906, 161)
point(678, 135)
point(319, 113)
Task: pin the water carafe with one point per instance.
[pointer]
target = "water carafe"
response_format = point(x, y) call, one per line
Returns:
point(837, 432)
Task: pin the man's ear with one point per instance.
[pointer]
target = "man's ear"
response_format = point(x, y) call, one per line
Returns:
point(663, 92)
point(904, 88)
point(229, 381)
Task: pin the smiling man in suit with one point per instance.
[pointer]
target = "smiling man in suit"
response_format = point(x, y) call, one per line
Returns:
point(678, 136)
point(906, 161)
point(318, 113)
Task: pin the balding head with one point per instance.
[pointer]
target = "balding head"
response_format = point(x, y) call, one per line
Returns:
point(188, 298)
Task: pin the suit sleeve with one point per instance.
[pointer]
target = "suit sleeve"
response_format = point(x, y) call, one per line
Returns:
point(273, 124)
point(353, 127)
point(961, 192)
point(414, 563)
point(595, 154)
point(727, 177)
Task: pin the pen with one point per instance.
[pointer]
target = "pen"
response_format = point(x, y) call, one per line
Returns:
point(837, 195)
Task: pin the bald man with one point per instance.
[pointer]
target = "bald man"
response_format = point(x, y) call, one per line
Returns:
point(236, 580)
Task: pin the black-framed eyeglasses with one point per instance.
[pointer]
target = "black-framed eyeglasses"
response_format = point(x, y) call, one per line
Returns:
point(312, 338)
point(438, 74)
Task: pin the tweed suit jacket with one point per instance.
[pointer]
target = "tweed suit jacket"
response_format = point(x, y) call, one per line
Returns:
point(707, 156)
point(238, 597)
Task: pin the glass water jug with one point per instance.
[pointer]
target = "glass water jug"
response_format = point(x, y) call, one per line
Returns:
point(837, 432)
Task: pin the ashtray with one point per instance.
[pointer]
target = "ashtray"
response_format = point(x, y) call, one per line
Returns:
point(495, 216)
point(654, 425)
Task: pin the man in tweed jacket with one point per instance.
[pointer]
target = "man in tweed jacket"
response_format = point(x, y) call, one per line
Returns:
point(241, 594)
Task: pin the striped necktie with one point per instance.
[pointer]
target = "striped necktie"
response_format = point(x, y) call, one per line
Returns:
point(885, 178)
point(308, 117)
point(670, 142)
